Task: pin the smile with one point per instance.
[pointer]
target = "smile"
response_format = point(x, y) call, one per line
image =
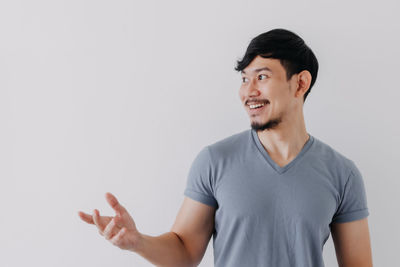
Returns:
point(256, 105)
point(257, 108)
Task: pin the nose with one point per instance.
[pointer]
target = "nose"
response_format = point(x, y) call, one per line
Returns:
point(252, 88)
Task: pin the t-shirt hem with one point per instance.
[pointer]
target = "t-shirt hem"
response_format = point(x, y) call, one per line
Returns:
point(351, 216)
point(201, 198)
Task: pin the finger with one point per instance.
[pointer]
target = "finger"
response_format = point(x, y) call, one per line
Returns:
point(86, 217)
point(112, 200)
point(117, 238)
point(96, 220)
point(110, 229)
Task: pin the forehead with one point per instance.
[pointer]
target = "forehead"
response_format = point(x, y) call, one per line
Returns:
point(273, 65)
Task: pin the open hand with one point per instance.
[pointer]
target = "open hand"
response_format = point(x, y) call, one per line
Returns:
point(120, 230)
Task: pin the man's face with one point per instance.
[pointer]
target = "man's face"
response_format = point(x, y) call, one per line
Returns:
point(264, 81)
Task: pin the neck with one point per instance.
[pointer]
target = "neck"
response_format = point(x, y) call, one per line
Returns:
point(285, 141)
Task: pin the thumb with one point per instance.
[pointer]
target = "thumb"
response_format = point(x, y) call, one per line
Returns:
point(112, 200)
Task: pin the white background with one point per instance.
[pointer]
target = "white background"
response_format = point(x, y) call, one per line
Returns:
point(120, 96)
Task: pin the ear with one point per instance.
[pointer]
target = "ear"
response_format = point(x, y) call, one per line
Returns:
point(303, 82)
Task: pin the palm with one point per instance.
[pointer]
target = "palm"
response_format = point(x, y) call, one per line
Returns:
point(120, 229)
point(127, 221)
point(104, 220)
point(125, 218)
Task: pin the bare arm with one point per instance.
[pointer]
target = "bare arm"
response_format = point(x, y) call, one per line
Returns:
point(187, 241)
point(352, 243)
point(183, 246)
point(164, 250)
point(194, 225)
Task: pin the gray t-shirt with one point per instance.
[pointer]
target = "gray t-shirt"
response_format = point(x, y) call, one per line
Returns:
point(267, 215)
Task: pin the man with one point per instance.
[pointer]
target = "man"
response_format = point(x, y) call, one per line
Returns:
point(270, 195)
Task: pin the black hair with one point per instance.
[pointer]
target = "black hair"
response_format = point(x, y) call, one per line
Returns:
point(294, 55)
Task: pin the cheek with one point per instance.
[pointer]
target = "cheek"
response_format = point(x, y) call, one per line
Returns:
point(278, 102)
point(283, 105)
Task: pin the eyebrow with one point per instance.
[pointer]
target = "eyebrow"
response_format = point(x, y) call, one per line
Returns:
point(258, 70)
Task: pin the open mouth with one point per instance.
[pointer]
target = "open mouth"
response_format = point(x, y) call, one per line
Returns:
point(256, 108)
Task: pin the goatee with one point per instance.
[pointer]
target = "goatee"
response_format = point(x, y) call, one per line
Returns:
point(271, 124)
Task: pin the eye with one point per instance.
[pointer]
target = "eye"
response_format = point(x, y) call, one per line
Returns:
point(243, 78)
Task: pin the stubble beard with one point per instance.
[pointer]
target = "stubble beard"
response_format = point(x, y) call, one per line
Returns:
point(269, 125)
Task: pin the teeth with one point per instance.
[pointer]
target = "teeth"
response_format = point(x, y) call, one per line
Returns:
point(256, 105)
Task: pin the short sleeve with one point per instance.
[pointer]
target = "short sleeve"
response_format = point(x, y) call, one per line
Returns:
point(199, 180)
point(353, 205)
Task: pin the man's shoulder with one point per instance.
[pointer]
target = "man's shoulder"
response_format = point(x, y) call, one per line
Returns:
point(231, 144)
point(331, 156)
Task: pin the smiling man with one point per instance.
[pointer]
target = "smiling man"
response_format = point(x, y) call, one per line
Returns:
point(270, 195)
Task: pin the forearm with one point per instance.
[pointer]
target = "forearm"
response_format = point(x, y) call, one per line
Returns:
point(164, 250)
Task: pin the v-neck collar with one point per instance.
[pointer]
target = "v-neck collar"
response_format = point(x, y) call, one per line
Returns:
point(272, 163)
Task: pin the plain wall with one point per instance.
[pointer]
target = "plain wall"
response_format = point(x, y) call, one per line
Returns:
point(120, 96)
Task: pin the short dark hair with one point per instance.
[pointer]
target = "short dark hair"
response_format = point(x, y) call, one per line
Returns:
point(293, 53)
